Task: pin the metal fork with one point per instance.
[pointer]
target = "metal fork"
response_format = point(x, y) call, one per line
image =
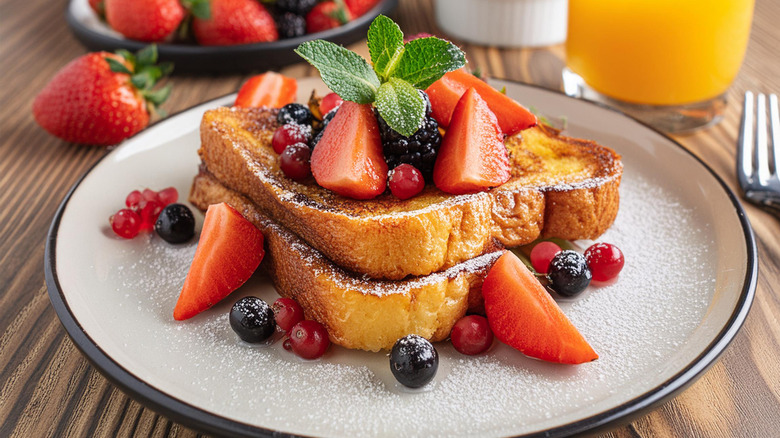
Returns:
point(757, 172)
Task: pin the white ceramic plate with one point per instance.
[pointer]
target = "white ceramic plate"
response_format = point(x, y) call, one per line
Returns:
point(686, 288)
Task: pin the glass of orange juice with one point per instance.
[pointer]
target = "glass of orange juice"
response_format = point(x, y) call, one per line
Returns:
point(666, 62)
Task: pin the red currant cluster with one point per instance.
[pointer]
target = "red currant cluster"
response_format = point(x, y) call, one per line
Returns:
point(143, 208)
point(306, 338)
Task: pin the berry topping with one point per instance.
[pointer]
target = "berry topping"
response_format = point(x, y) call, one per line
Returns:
point(330, 102)
point(287, 313)
point(294, 113)
point(290, 25)
point(605, 261)
point(149, 213)
point(133, 199)
point(445, 93)
point(413, 361)
point(175, 224)
point(229, 250)
point(542, 254)
point(150, 195)
point(309, 339)
point(300, 7)
point(125, 223)
point(472, 156)
point(471, 335)
point(524, 316)
point(569, 273)
point(268, 89)
point(405, 181)
point(348, 159)
point(294, 161)
point(231, 22)
point(419, 150)
point(252, 319)
point(290, 134)
point(168, 196)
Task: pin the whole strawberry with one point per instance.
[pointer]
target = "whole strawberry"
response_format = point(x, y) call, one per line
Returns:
point(326, 15)
point(144, 20)
point(360, 7)
point(233, 22)
point(101, 98)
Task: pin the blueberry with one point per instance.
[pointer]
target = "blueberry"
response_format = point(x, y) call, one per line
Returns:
point(175, 224)
point(413, 361)
point(252, 319)
point(569, 273)
point(294, 113)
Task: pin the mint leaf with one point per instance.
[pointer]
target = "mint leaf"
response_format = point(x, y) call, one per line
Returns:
point(344, 71)
point(386, 45)
point(425, 60)
point(401, 106)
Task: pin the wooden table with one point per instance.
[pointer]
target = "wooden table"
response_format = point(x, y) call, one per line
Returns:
point(48, 389)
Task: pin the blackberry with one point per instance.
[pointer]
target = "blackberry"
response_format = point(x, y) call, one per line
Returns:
point(325, 120)
point(298, 7)
point(294, 113)
point(419, 150)
point(290, 25)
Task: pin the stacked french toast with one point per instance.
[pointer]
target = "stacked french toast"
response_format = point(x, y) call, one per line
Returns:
point(375, 268)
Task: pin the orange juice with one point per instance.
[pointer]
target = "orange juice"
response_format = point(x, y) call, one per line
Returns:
point(659, 52)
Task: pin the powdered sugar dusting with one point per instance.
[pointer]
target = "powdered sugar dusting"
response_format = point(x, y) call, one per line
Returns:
point(637, 325)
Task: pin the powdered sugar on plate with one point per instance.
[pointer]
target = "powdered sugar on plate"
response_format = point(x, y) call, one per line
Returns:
point(636, 324)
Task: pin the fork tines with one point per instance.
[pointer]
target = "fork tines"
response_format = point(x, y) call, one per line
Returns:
point(759, 172)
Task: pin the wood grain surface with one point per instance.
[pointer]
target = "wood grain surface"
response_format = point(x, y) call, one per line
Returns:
point(47, 388)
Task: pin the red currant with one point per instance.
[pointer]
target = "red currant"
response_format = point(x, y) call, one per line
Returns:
point(149, 213)
point(605, 261)
point(294, 161)
point(287, 313)
point(286, 344)
point(168, 196)
point(405, 181)
point(471, 335)
point(133, 199)
point(542, 254)
point(150, 195)
point(309, 339)
point(289, 134)
point(125, 223)
point(330, 101)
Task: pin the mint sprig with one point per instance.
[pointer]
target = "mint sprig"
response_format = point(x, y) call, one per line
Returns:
point(398, 70)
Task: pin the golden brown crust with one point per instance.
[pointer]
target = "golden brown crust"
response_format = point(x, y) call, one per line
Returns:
point(560, 187)
point(357, 312)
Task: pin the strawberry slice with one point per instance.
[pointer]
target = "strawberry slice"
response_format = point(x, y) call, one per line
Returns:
point(268, 89)
point(348, 159)
point(446, 92)
point(524, 316)
point(472, 156)
point(229, 250)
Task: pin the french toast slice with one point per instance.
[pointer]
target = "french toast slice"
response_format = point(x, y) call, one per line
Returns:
point(358, 313)
point(560, 187)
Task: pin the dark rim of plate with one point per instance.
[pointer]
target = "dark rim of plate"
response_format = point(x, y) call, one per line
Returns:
point(197, 418)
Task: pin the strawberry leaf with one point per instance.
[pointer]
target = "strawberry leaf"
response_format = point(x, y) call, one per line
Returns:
point(386, 45)
point(147, 55)
point(117, 67)
point(425, 60)
point(199, 8)
point(157, 97)
point(344, 71)
point(401, 106)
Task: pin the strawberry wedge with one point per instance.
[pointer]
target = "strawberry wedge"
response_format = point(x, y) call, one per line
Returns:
point(268, 89)
point(229, 250)
point(472, 156)
point(348, 159)
point(524, 316)
point(445, 93)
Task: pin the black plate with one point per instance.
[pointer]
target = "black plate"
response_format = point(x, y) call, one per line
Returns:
point(242, 58)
